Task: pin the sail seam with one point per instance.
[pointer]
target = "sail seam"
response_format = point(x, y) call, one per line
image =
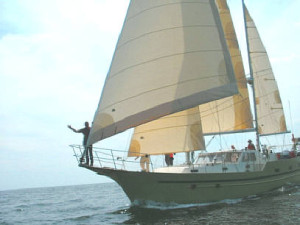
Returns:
point(258, 52)
point(271, 112)
point(269, 134)
point(229, 132)
point(166, 128)
point(164, 5)
point(181, 104)
point(266, 95)
point(224, 102)
point(162, 87)
point(158, 58)
point(268, 70)
point(157, 31)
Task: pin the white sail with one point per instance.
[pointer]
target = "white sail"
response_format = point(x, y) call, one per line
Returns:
point(270, 113)
point(171, 56)
point(231, 114)
point(173, 133)
point(179, 132)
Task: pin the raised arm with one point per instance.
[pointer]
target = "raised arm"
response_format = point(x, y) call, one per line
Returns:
point(69, 126)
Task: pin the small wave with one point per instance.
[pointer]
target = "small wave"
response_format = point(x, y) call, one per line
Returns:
point(80, 218)
point(19, 210)
point(22, 206)
point(173, 205)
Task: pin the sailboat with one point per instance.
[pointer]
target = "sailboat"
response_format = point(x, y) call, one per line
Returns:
point(176, 76)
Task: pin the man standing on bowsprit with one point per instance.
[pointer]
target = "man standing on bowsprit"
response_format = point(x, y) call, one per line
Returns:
point(88, 150)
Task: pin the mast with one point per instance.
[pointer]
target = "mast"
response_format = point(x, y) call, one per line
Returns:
point(251, 79)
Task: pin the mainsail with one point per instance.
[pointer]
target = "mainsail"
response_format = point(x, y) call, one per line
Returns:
point(270, 115)
point(171, 56)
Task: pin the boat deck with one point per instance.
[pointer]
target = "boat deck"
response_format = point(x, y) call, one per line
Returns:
point(217, 162)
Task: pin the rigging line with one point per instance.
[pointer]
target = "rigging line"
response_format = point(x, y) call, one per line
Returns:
point(224, 104)
point(130, 134)
point(209, 113)
point(246, 27)
point(210, 141)
point(212, 112)
point(219, 126)
point(291, 118)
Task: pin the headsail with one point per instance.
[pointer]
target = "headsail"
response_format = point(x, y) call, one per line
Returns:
point(231, 114)
point(179, 132)
point(171, 56)
point(270, 115)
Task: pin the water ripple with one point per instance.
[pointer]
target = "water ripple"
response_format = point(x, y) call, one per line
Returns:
point(107, 204)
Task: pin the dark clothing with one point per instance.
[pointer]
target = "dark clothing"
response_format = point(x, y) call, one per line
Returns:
point(85, 131)
point(88, 150)
point(169, 159)
point(251, 146)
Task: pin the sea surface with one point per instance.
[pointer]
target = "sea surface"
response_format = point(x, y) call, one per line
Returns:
point(106, 203)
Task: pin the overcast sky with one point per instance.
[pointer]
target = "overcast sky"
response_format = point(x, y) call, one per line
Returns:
point(54, 56)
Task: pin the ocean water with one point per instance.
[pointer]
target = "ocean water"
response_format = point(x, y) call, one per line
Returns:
point(107, 204)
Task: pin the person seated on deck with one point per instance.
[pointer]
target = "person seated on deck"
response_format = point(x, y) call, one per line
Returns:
point(250, 145)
